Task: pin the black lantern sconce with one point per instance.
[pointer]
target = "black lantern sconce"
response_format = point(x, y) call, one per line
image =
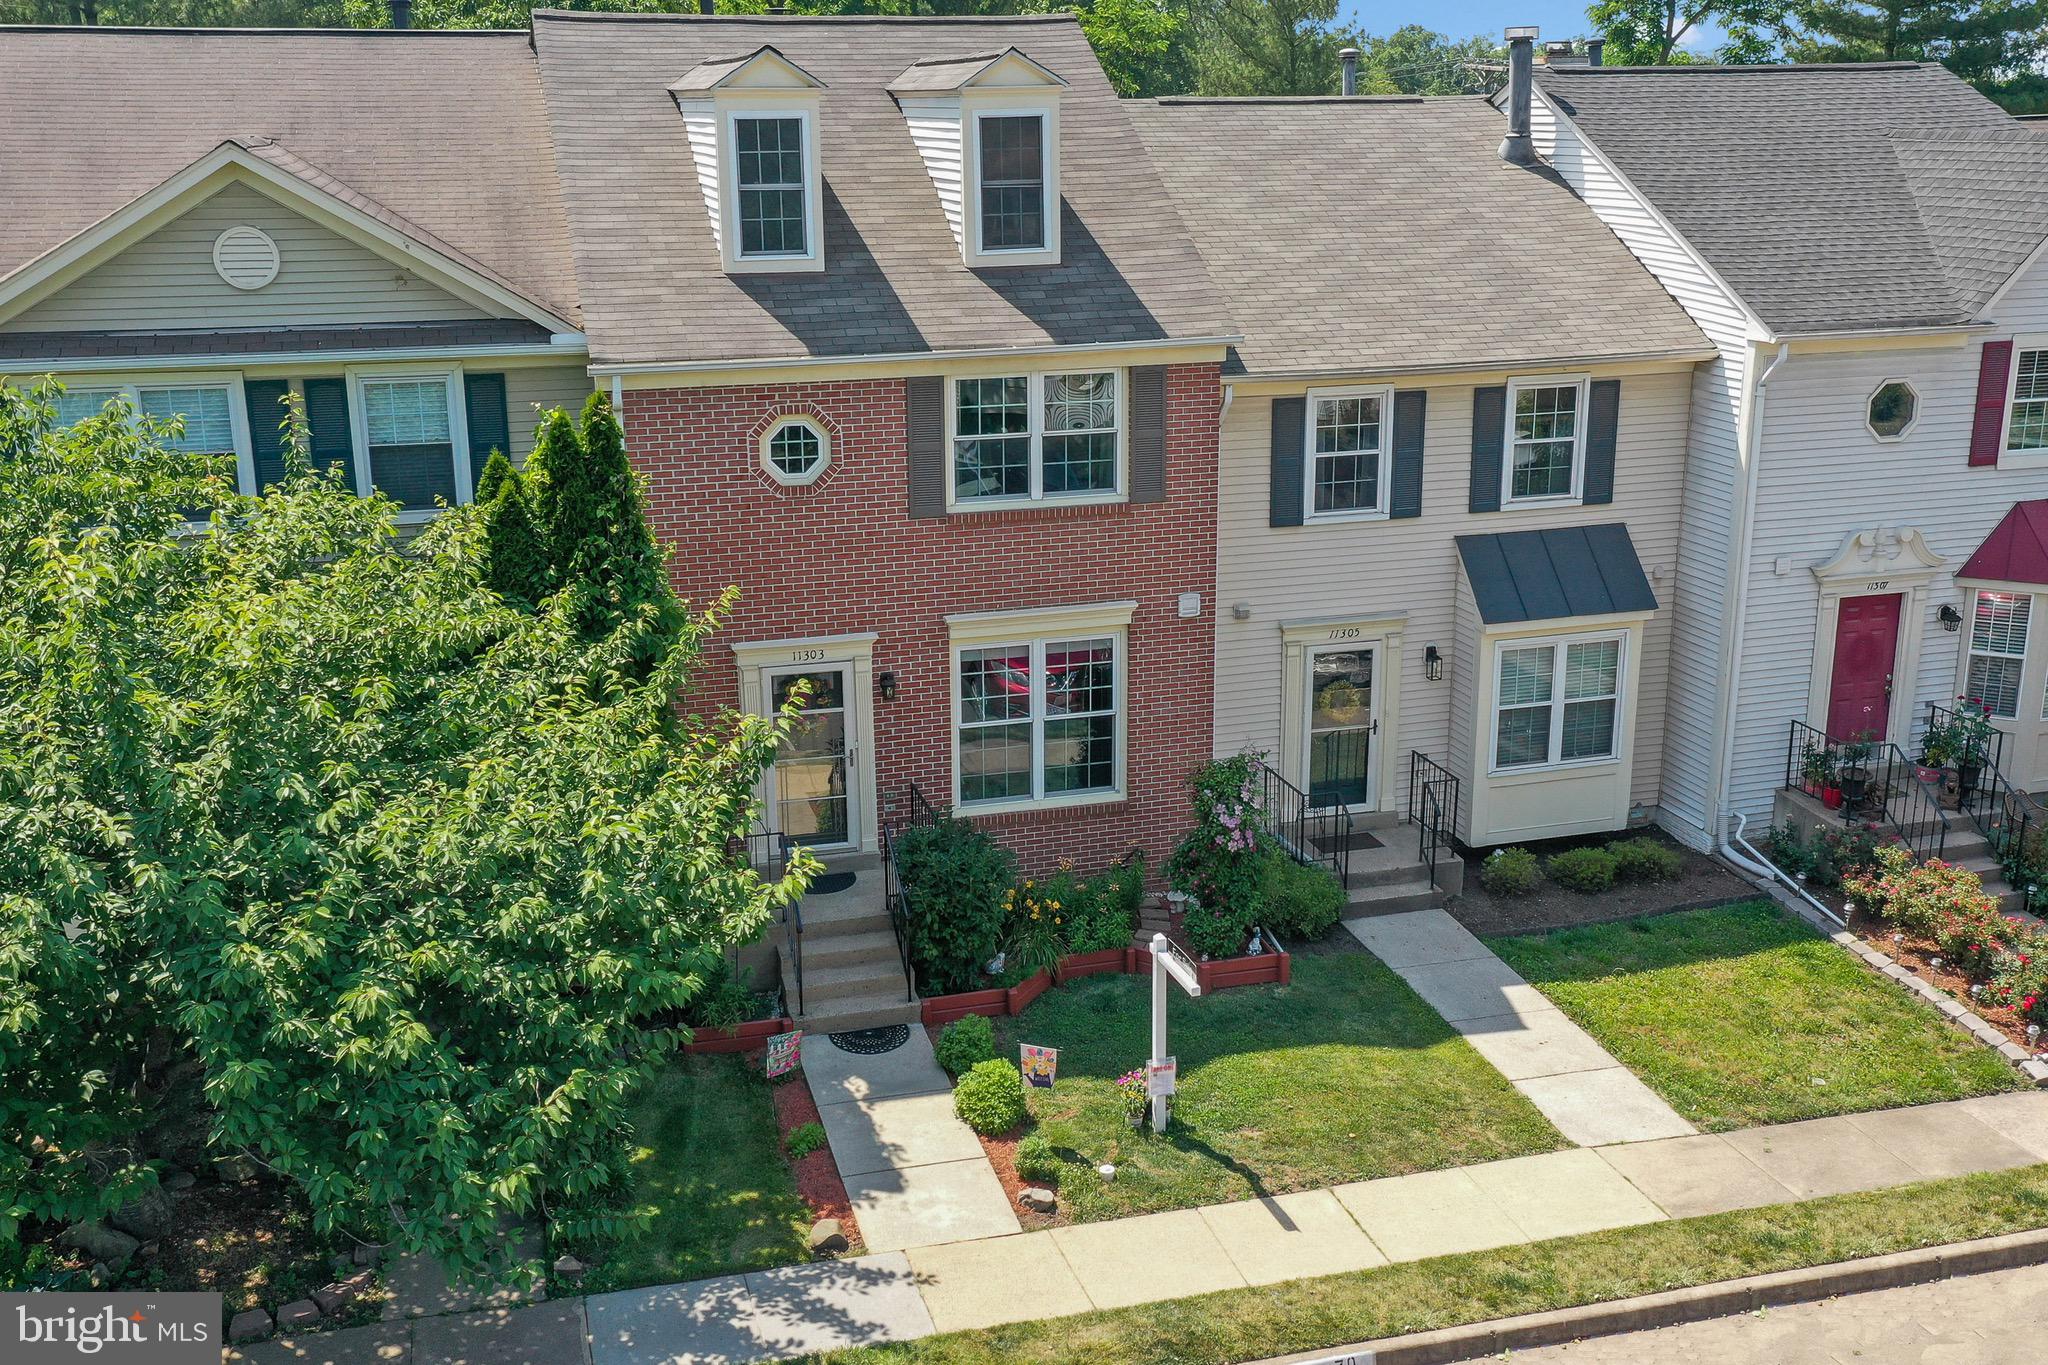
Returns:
point(1432, 663)
point(885, 683)
point(1951, 619)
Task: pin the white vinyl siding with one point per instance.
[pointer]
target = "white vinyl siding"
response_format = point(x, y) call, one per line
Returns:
point(528, 387)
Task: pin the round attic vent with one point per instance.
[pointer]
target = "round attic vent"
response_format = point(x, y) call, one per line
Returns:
point(246, 257)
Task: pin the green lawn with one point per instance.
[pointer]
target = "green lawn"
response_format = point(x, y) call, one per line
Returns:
point(1742, 1015)
point(1448, 1291)
point(1344, 1075)
point(707, 1164)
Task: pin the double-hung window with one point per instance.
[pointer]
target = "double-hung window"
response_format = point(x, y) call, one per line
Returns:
point(768, 171)
point(1556, 702)
point(1998, 650)
point(1037, 719)
point(1348, 453)
point(408, 427)
point(2026, 426)
point(205, 408)
point(1025, 437)
point(1011, 156)
point(1546, 440)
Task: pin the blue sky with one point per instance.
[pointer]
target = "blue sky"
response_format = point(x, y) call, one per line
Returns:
point(1462, 18)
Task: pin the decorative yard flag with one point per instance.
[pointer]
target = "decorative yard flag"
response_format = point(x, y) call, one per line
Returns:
point(782, 1052)
point(1159, 1076)
point(1039, 1065)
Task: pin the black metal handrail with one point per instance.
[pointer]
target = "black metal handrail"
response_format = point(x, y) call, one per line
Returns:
point(1869, 780)
point(2003, 813)
point(1937, 714)
point(1433, 792)
point(897, 899)
point(767, 852)
point(1316, 836)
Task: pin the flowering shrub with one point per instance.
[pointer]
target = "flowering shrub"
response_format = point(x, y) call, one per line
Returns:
point(1217, 863)
point(1948, 906)
point(1035, 918)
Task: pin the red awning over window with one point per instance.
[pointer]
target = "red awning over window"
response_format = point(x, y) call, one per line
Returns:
point(2016, 551)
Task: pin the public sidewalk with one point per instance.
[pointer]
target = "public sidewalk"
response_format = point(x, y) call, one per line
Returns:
point(896, 1296)
point(1578, 1085)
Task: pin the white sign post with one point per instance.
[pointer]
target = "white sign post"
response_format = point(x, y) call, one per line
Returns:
point(1166, 962)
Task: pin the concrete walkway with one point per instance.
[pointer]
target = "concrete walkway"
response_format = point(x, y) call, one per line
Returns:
point(915, 1174)
point(1577, 1084)
point(902, 1295)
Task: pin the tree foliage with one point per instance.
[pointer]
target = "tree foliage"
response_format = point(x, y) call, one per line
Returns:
point(1654, 32)
point(1415, 60)
point(416, 882)
point(1988, 43)
point(1270, 47)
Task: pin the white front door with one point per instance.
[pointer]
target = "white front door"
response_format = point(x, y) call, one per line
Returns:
point(1342, 727)
point(811, 791)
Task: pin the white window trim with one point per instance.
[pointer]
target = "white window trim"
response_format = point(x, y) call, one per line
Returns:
point(736, 262)
point(1971, 652)
point(1038, 497)
point(2019, 459)
point(1381, 509)
point(1508, 500)
point(1557, 701)
point(775, 472)
point(1047, 110)
point(1033, 628)
point(1911, 422)
point(132, 382)
point(458, 426)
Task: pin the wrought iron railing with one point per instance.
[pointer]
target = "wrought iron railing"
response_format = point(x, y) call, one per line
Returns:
point(1944, 716)
point(2004, 814)
point(1432, 808)
point(767, 852)
point(912, 811)
point(1870, 781)
point(1315, 835)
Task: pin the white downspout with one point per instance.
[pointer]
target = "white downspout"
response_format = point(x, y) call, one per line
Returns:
point(1725, 759)
point(618, 389)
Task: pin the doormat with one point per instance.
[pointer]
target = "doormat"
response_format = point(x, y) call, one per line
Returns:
point(872, 1042)
point(831, 882)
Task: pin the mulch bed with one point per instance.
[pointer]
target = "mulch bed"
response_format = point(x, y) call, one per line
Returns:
point(817, 1176)
point(1917, 956)
point(1001, 1151)
point(1704, 882)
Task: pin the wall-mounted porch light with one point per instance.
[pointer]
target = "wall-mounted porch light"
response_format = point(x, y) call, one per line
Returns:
point(1432, 663)
point(1951, 619)
point(885, 683)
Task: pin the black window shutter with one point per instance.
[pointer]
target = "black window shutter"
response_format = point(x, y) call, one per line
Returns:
point(327, 417)
point(1603, 417)
point(264, 399)
point(1148, 433)
point(1411, 412)
point(1489, 431)
point(924, 400)
point(483, 404)
point(1289, 417)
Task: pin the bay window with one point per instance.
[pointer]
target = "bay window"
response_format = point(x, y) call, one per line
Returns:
point(1041, 436)
point(1998, 650)
point(1556, 702)
point(1037, 718)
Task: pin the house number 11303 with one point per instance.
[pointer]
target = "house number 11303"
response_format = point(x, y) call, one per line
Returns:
point(807, 656)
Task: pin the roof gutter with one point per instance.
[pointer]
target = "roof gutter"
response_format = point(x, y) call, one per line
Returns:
point(905, 357)
point(1859, 333)
point(221, 359)
point(1495, 365)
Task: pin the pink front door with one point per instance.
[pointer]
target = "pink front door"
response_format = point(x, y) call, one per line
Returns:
point(1866, 649)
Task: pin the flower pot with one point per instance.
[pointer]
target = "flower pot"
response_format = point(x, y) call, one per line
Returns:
point(1855, 782)
point(1831, 797)
point(1931, 776)
point(1967, 776)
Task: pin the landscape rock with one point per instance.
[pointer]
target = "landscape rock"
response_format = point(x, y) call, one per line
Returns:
point(149, 1251)
point(234, 1170)
point(100, 1242)
point(298, 1313)
point(332, 1298)
point(827, 1235)
point(569, 1268)
point(176, 1180)
point(1038, 1199)
point(253, 1325)
point(367, 1253)
point(146, 1217)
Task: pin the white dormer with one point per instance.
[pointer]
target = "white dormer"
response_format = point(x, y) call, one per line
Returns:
point(752, 122)
point(988, 127)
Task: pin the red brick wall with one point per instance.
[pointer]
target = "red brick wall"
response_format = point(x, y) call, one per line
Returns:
point(843, 555)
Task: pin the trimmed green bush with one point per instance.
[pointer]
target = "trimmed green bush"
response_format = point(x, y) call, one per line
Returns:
point(1035, 1160)
point(966, 1043)
point(1646, 860)
point(1511, 872)
point(955, 875)
point(1585, 870)
point(804, 1139)
point(1297, 901)
point(990, 1098)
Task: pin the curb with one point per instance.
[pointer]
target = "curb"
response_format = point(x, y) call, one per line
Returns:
point(1482, 1339)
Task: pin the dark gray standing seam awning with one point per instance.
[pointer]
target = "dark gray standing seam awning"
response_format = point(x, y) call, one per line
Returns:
point(1550, 575)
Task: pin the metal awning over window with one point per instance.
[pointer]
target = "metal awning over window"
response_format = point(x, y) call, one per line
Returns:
point(2016, 551)
point(1555, 574)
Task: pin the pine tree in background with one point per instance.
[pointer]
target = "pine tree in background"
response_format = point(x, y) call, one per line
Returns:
point(515, 555)
point(497, 469)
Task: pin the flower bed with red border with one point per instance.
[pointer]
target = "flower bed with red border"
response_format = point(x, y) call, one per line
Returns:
point(1265, 969)
point(741, 1038)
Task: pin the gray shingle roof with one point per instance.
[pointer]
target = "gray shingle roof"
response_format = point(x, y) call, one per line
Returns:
point(652, 289)
point(1363, 234)
point(1550, 575)
point(445, 131)
point(1830, 197)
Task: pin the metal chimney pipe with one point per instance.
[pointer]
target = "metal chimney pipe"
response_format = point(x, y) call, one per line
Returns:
point(1517, 149)
point(401, 13)
point(1593, 47)
point(1349, 56)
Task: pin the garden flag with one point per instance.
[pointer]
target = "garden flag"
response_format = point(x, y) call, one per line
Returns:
point(1039, 1065)
point(782, 1052)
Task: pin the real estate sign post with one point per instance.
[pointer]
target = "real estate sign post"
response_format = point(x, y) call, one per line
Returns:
point(1166, 961)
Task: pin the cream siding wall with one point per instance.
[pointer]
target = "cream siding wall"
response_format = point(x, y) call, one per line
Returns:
point(1339, 570)
point(1699, 598)
point(531, 389)
point(167, 280)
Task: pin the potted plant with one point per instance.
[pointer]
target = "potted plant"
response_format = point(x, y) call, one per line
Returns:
point(1972, 734)
point(1818, 768)
point(1853, 773)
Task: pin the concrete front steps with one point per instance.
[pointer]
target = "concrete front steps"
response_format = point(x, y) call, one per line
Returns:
point(1963, 846)
point(1392, 879)
point(852, 971)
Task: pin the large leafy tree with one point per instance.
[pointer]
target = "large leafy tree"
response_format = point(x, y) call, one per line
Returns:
point(1414, 60)
point(1986, 42)
point(1654, 32)
point(413, 880)
point(1270, 47)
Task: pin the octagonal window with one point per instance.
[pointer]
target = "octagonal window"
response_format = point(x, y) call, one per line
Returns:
point(795, 451)
point(1892, 409)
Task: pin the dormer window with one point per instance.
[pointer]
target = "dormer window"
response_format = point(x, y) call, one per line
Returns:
point(752, 126)
point(988, 127)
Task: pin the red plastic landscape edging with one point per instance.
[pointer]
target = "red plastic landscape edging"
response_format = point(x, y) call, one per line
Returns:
point(741, 1038)
point(999, 1002)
